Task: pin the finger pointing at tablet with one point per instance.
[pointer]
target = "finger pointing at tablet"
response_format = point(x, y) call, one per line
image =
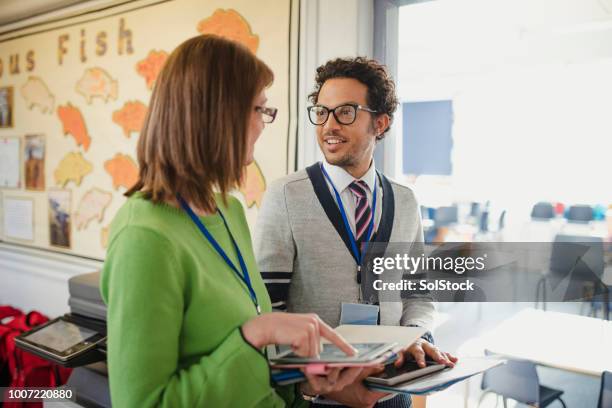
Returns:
point(333, 336)
point(302, 332)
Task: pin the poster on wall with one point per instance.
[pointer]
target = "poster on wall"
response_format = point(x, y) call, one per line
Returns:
point(34, 158)
point(79, 97)
point(6, 107)
point(18, 218)
point(9, 162)
point(60, 224)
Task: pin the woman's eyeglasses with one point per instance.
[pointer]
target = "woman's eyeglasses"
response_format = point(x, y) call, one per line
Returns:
point(267, 114)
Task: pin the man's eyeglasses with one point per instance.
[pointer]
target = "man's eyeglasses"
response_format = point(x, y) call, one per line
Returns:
point(344, 114)
point(267, 114)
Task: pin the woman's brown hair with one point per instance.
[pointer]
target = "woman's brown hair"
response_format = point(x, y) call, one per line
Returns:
point(194, 137)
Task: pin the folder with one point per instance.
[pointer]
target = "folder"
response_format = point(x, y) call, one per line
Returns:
point(466, 367)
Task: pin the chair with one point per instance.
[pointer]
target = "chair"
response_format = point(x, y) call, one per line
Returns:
point(474, 209)
point(518, 380)
point(569, 260)
point(604, 302)
point(424, 212)
point(502, 221)
point(605, 394)
point(446, 215)
point(580, 213)
point(543, 211)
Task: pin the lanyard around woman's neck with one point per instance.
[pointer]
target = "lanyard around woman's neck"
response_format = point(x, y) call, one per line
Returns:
point(357, 254)
point(244, 277)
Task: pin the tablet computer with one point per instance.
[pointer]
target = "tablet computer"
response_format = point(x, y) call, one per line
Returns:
point(60, 339)
point(330, 353)
point(410, 370)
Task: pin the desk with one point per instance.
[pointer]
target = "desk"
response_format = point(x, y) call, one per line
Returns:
point(567, 342)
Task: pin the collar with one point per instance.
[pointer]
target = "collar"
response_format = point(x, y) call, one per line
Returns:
point(342, 179)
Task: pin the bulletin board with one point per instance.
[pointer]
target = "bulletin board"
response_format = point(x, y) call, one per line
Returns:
point(73, 97)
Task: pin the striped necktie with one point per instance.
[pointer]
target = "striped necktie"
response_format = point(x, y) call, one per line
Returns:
point(363, 213)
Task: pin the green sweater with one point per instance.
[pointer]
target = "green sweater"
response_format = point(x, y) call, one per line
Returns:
point(175, 309)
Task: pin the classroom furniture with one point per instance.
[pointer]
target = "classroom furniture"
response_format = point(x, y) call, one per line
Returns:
point(544, 338)
point(518, 380)
point(568, 258)
point(446, 216)
point(542, 211)
point(580, 213)
point(605, 393)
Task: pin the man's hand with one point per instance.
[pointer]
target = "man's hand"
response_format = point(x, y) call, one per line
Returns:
point(422, 348)
point(356, 394)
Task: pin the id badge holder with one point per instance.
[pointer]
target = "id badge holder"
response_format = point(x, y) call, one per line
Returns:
point(357, 313)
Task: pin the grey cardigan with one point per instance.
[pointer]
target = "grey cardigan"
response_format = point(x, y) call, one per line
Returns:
point(304, 256)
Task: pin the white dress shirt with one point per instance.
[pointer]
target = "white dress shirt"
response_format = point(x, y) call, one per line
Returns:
point(342, 179)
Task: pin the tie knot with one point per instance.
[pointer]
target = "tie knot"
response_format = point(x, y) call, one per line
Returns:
point(359, 188)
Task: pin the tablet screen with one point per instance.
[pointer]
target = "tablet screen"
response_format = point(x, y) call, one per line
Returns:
point(407, 367)
point(331, 352)
point(60, 336)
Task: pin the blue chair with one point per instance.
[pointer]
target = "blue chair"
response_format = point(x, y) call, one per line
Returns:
point(543, 211)
point(424, 212)
point(474, 209)
point(446, 215)
point(580, 213)
point(518, 380)
point(605, 394)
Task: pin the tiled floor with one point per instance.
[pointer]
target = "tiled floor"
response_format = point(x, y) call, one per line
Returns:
point(458, 322)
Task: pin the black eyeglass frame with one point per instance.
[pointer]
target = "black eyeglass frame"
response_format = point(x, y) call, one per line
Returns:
point(267, 113)
point(355, 106)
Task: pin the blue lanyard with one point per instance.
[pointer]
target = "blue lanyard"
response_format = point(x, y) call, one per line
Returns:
point(356, 252)
point(244, 277)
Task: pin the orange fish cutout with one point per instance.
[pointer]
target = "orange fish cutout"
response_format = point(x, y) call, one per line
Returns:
point(97, 83)
point(231, 25)
point(253, 185)
point(74, 125)
point(150, 67)
point(130, 117)
point(123, 170)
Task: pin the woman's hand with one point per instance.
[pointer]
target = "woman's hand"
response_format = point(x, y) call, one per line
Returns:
point(356, 394)
point(302, 332)
point(333, 381)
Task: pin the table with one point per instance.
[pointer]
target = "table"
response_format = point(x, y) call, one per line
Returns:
point(564, 341)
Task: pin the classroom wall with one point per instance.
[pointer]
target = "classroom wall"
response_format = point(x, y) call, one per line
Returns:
point(37, 279)
point(82, 88)
point(328, 30)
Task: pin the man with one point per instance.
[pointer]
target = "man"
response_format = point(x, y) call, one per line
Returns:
point(313, 225)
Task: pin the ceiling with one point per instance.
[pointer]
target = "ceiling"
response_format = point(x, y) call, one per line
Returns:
point(21, 14)
point(12, 11)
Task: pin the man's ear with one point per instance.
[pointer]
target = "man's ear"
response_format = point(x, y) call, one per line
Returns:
point(381, 123)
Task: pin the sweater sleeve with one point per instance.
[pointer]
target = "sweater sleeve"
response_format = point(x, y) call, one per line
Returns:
point(274, 246)
point(418, 310)
point(142, 285)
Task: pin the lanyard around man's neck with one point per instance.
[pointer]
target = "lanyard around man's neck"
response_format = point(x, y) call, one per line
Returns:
point(356, 253)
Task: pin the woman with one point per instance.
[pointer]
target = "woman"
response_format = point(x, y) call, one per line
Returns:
point(188, 313)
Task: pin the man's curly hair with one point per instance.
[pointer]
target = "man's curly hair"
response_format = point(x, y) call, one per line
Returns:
point(381, 95)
